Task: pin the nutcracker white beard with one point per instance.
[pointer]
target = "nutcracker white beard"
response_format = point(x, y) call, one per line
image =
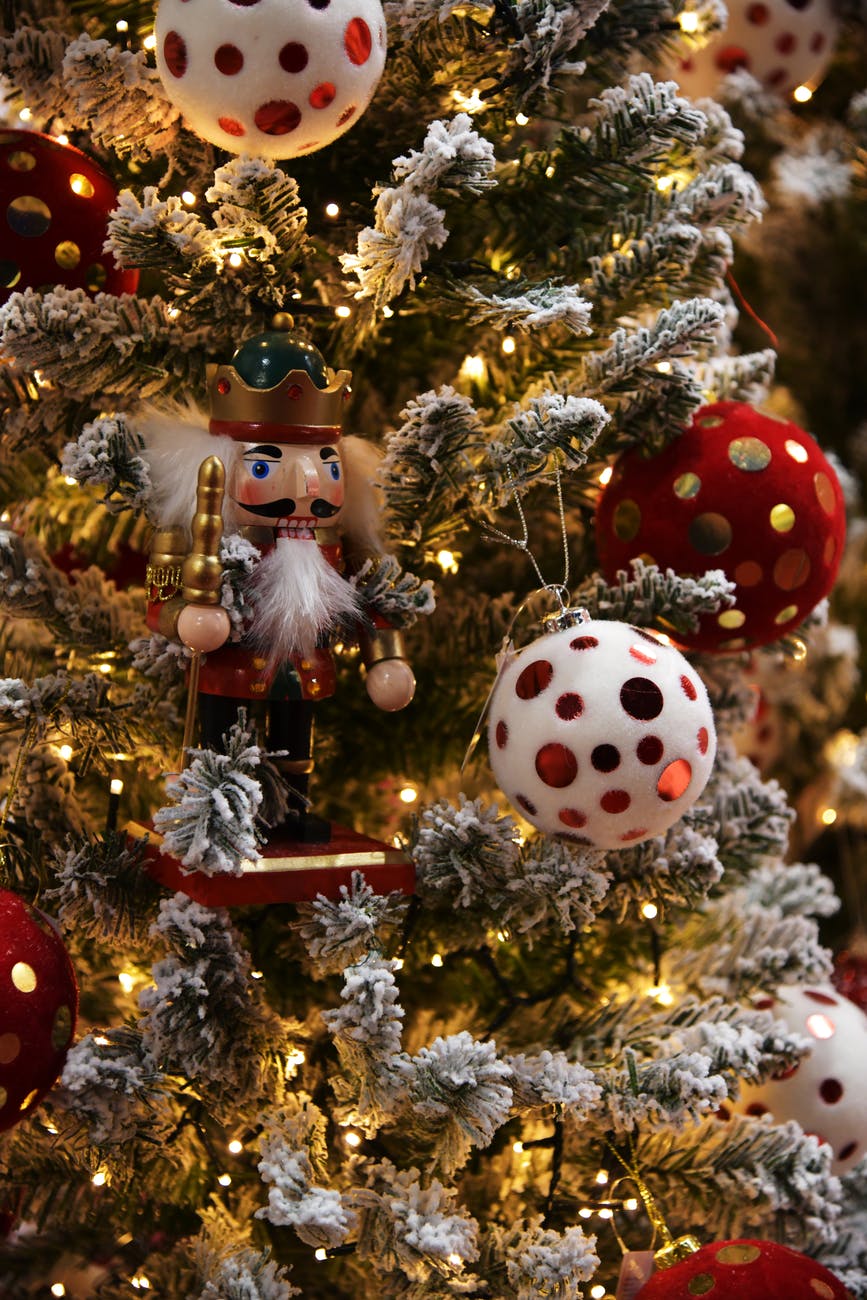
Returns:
point(298, 598)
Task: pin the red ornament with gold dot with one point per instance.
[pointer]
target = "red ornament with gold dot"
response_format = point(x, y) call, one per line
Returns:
point(38, 1007)
point(601, 733)
point(824, 1093)
point(745, 1270)
point(278, 78)
point(740, 491)
point(785, 44)
point(55, 204)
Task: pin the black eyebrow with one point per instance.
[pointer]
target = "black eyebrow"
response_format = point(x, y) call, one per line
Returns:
point(266, 449)
point(326, 452)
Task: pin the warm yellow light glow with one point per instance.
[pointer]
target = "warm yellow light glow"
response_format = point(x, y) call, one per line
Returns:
point(473, 367)
point(100, 1178)
point(631, 1204)
point(387, 312)
point(189, 198)
point(802, 94)
point(51, 1128)
point(503, 936)
point(408, 794)
point(257, 974)
point(122, 25)
point(58, 1289)
point(606, 1213)
point(150, 42)
point(585, 1213)
point(597, 1292)
point(126, 980)
point(521, 119)
point(236, 1147)
point(664, 183)
point(295, 1058)
point(62, 139)
point(343, 311)
point(320, 1254)
point(661, 993)
point(456, 1260)
point(649, 911)
point(104, 668)
point(471, 103)
point(602, 1178)
point(332, 209)
point(225, 1180)
point(549, 170)
point(398, 963)
point(235, 259)
point(508, 345)
point(842, 749)
point(101, 1040)
point(116, 786)
point(664, 367)
point(448, 561)
point(70, 481)
point(65, 752)
point(140, 1282)
point(436, 960)
point(828, 816)
point(352, 1139)
point(25, 115)
point(605, 476)
point(517, 1147)
point(688, 21)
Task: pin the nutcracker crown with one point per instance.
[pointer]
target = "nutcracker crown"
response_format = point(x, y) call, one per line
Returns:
point(277, 387)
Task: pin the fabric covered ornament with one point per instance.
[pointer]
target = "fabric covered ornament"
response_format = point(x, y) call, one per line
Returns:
point(600, 732)
point(745, 1270)
point(849, 975)
point(784, 44)
point(38, 1007)
point(56, 202)
point(825, 1093)
point(272, 77)
point(739, 491)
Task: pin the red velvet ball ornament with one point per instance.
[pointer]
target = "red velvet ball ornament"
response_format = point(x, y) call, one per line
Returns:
point(55, 203)
point(849, 975)
point(738, 491)
point(745, 1270)
point(38, 1007)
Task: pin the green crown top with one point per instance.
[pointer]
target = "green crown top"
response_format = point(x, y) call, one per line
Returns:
point(265, 359)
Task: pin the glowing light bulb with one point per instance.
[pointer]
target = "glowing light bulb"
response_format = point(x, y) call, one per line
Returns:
point(126, 980)
point(661, 993)
point(320, 1254)
point(688, 21)
point(597, 1292)
point(257, 975)
point(70, 481)
point(649, 911)
point(352, 1139)
point(473, 367)
point(521, 119)
point(25, 115)
point(436, 960)
point(664, 367)
point(116, 786)
point(585, 1212)
point(58, 1289)
point(104, 668)
point(605, 476)
point(140, 1282)
point(631, 1204)
point(517, 1147)
point(802, 94)
point(62, 139)
point(471, 103)
point(65, 752)
point(122, 25)
point(447, 560)
point(100, 1178)
point(828, 816)
point(236, 1147)
point(343, 311)
point(189, 198)
point(235, 259)
point(398, 963)
point(387, 312)
point(150, 42)
point(503, 936)
point(455, 1260)
point(332, 209)
point(101, 1040)
point(606, 1213)
point(602, 1178)
point(408, 794)
point(225, 1180)
point(508, 345)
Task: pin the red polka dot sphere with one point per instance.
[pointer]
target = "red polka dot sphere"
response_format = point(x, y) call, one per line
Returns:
point(38, 1007)
point(55, 203)
point(784, 44)
point(745, 1270)
point(601, 733)
point(825, 1093)
point(272, 77)
point(738, 491)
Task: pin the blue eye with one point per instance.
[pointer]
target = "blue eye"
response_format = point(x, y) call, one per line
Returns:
point(334, 466)
point(260, 469)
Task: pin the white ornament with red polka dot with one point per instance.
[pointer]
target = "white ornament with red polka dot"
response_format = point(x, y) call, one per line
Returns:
point(825, 1092)
point(784, 44)
point(602, 733)
point(276, 78)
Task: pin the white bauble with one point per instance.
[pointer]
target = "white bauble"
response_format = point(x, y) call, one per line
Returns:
point(602, 733)
point(782, 43)
point(277, 78)
point(825, 1093)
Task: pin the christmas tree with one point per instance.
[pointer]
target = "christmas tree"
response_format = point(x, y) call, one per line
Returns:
point(518, 342)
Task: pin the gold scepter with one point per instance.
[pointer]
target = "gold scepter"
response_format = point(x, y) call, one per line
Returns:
point(202, 572)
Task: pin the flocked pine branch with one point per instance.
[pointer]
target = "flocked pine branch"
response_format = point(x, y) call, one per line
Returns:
point(680, 330)
point(399, 596)
point(652, 595)
point(752, 818)
point(102, 889)
point(106, 455)
point(339, 933)
point(120, 96)
point(551, 430)
point(31, 59)
point(539, 1261)
point(679, 868)
point(292, 1150)
point(112, 1086)
point(367, 1033)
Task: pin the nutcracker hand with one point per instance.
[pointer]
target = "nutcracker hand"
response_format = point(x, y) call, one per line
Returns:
point(203, 627)
point(390, 684)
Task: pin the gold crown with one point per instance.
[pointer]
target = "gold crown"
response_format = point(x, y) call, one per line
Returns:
point(294, 410)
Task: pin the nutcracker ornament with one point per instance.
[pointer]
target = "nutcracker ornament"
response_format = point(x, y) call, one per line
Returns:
point(273, 468)
point(279, 78)
point(740, 491)
point(56, 203)
point(600, 732)
point(38, 1007)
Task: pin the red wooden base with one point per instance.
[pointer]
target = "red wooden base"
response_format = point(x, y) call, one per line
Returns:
point(286, 871)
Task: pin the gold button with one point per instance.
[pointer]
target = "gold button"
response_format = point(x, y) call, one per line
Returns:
point(259, 664)
point(258, 688)
point(306, 665)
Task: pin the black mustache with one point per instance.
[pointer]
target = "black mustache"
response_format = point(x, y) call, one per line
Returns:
point(286, 506)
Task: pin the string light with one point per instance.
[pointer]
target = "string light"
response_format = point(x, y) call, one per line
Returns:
point(585, 1212)
point(101, 1040)
point(508, 345)
point(25, 115)
point(387, 312)
point(189, 198)
point(473, 368)
point(62, 139)
point(455, 1260)
point(436, 960)
point(235, 259)
point(126, 980)
point(602, 1178)
point(503, 936)
point(521, 119)
point(70, 481)
point(549, 171)
point(150, 42)
point(606, 1213)
point(100, 1178)
point(343, 311)
point(332, 209)
point(122, 25)
point(257, 974)
point(802, 94)
point(518, 1147)
point(664, 367)
point(649, 911)
point(631, 1204)
point(828, 816)
point(65, 752)
point(597, 1292)
point(408, 794)
point(688, 21)
point(58, 1289)
point(661, 993)
point(352, 1139)
point(447, 561)
point(605, 476)
point(140, 1282)
point(236, 1147)
point(225, 1180)
point(321, 1253)
point(51, 1128)
point(471, 103)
